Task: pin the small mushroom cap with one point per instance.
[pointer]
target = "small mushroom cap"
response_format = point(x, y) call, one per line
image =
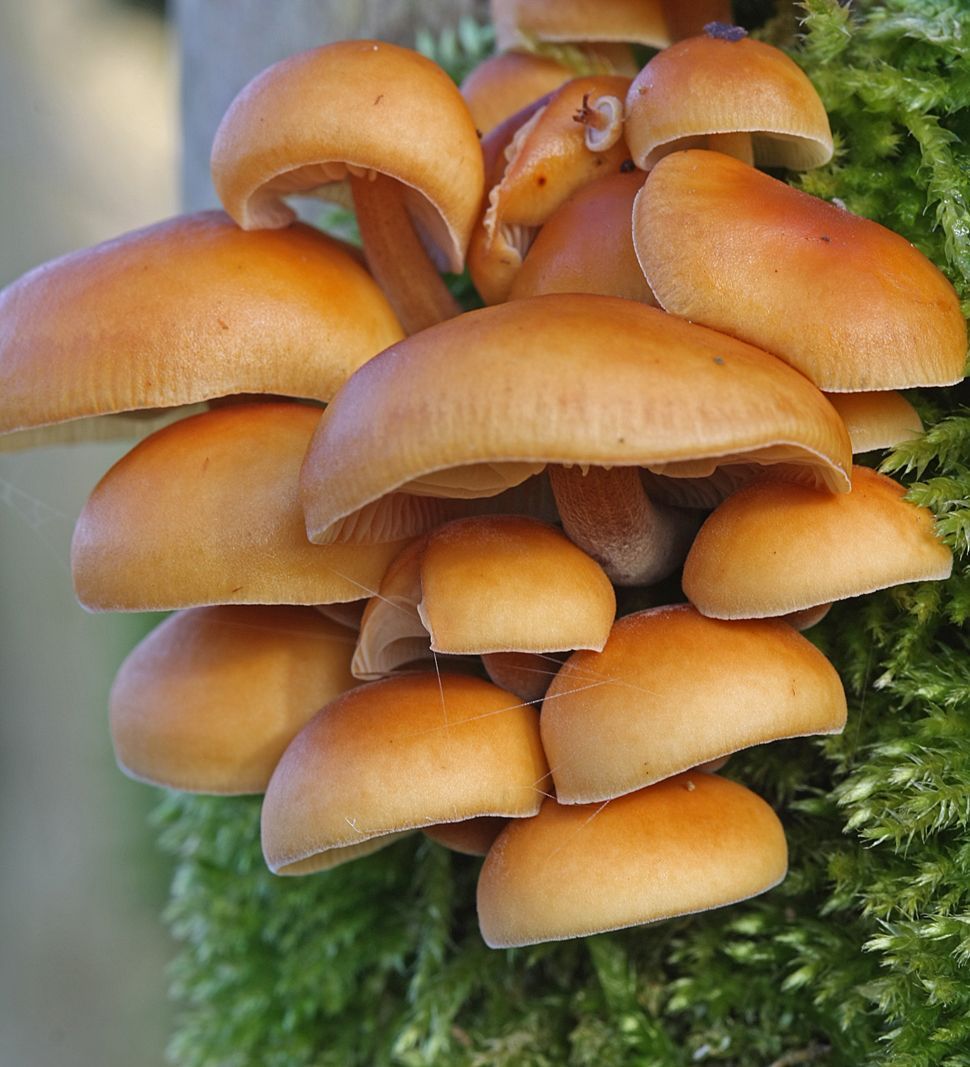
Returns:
point(708, 85)
point(210, 699)
point(401, 754)
point(485, 584)
point(876, 420)
point(355, 106)
point(586, 246)
point(621, 384)
point(519, 23)
point(506, 583)
point(207, 511)
point(503, 84)
point(545, 161)
point(672, 690)
point(771, 548)
point(183, 311)
point(548, 159)
point(851, 304)
point(685, 845)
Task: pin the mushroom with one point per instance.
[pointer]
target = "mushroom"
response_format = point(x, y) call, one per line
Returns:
point(527, 674)
point(206, 511)
point(876, 420)
point(219, 312)
point(847, 302)
point(485, 584)
point(528, 24)
point(772, 548)
point(586, 245)
point(671, 690)
point(398, 755)
point(503, 84)
point(685, 845)
point(210, 699)
point(391, 123)
point(570, 138)
point(727, 92)
point(622, 385)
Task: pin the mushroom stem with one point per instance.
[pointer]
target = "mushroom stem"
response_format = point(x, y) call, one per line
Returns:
point(806, 618)
point(607, 512)
point(396, 257)
point(603, 122)
point(526, 674)
point(737, 145)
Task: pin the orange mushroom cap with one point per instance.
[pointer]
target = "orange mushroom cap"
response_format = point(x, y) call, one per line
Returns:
point(621, 384)
point(352, 107)
point(672, 689)
point(210, 699)
point(183, 311)
point(685, 845)
point(521, 23)
point(399, 755)
point(485, 584)
point(726, 85)
point(771, 548)
point(852, 305)
point(547, 158)
point(586, 245)
point(206, 511)
point(877, 420)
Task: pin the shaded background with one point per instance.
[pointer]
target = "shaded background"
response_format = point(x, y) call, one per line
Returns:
point(89, 132)
point(87, 129)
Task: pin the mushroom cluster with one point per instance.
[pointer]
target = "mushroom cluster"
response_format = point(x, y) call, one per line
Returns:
point(679, 356)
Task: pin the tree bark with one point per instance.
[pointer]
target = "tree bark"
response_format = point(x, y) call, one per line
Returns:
point(225, 43)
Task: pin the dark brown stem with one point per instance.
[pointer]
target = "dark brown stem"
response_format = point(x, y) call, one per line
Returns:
point(608, 514)
point(396, 257)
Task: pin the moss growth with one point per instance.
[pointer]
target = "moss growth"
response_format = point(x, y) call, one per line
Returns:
point(859, 958)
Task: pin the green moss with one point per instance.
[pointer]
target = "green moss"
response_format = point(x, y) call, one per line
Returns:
point(860, 957)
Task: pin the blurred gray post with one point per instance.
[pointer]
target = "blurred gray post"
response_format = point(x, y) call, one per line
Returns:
point(224, 43)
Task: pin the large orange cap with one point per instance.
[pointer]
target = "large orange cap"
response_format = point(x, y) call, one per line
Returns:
point(715, 86)
point(207, 511)
point(183, 311)
point(771, 548)
point(210, 699)
point(672, 689)
point(685, 845)
point(399, 755)
point(851, 304)
point(352, 107)
point(564, 379)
